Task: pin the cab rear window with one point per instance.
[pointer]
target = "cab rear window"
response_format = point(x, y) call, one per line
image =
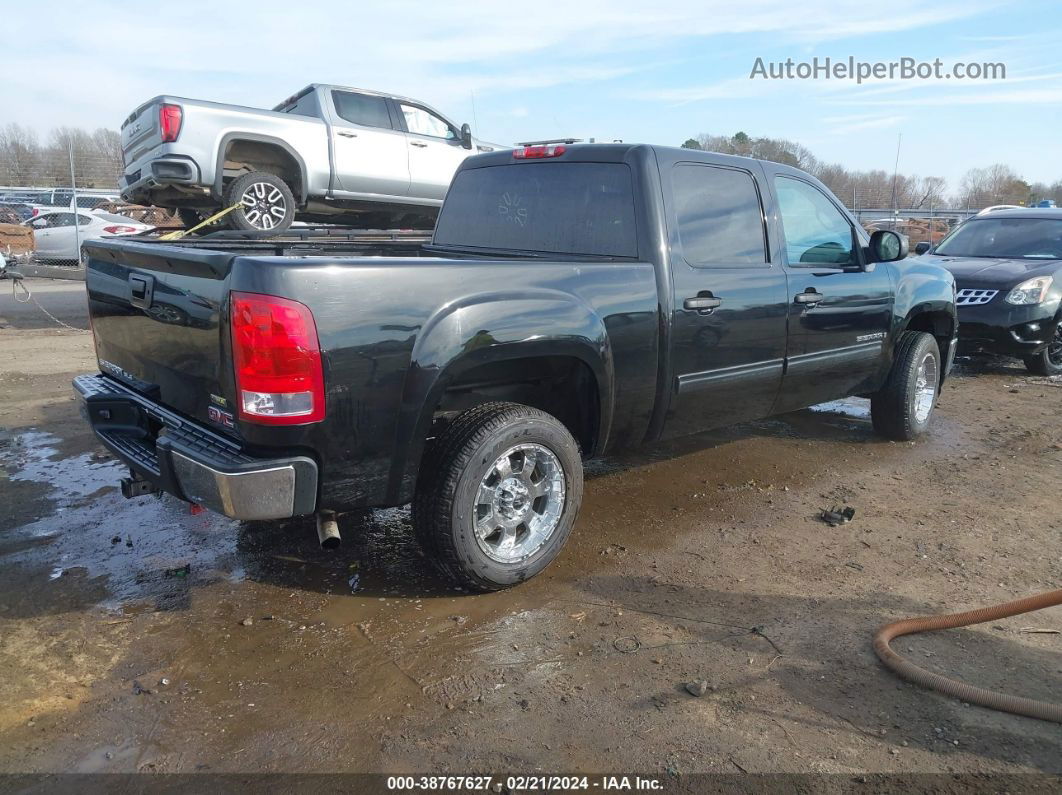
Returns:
point(554, 208)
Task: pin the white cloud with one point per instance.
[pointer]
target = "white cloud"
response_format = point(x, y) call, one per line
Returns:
point(844, 125)
point(92, 68)
point(1033, 96)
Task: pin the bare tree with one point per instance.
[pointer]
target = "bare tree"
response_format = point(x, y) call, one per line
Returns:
point(109, 146)
point(19, 155)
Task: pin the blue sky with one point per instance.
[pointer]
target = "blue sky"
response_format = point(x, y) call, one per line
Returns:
point(656, 72)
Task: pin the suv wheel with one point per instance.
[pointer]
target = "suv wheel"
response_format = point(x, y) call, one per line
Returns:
point(497, 495)
point(266, 203)
point(1048, 361)
point(902, 407)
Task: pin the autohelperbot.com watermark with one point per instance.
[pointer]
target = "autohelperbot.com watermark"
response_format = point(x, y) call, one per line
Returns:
point(851, 69)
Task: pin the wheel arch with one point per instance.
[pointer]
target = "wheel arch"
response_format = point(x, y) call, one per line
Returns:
point(286, 163)
point(936, 318)
point(489, 348)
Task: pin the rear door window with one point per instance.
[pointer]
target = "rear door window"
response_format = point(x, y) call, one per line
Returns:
point(363, 109)
point(720, 219)
point(556, 208)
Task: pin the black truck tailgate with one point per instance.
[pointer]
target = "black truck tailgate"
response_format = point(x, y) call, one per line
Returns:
point(158, 319)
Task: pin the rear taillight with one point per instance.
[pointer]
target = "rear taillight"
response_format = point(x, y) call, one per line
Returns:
point(119, 230)
point(540, 150)
point(170, 122)
point(279, 380)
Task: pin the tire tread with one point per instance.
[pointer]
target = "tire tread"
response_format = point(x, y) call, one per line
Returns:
point(442, 465)
point(890, 409)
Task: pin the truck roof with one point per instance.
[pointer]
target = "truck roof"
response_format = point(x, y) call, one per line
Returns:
point(618, 152)
point(373, 92)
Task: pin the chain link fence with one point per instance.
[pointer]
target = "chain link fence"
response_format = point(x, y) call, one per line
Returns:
point(53, 198)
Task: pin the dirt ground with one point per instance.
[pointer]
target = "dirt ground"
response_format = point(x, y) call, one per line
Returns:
point(135, 636)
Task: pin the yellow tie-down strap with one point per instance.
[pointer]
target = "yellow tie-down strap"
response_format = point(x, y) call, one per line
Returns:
point(182, 232)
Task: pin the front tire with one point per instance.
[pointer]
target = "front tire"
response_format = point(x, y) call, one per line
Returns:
point(265, 201)
point(498, 493)
point(901, 409)
point(1049, 361)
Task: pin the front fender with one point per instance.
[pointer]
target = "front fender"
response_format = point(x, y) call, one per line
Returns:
point(492, 327)
point(923, 288)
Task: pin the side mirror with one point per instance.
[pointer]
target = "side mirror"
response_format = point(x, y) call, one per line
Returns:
point(466, 136)
point(923, 247)
point(888, 246)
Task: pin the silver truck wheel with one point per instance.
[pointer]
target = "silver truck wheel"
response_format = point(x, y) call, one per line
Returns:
point(519, 503)
point(497, 495)
point(901, 409)
point(266, 203)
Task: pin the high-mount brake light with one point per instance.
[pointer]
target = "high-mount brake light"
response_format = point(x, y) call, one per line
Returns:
point(170, 118)
point(539, 151)
point(277, 356)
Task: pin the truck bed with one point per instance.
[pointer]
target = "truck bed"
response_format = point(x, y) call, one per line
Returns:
point(309, 241)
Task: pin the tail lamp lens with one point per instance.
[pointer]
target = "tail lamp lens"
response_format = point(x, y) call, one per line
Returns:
point(279, 378)
point(539, 151)
point(170, 117)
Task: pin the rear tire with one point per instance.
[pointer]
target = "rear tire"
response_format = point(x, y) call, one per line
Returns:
point(901, 409)
point(266, 203)
point(484, 521)
point(1049, 361)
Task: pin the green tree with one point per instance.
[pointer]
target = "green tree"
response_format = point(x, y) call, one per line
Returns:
point(691, 143)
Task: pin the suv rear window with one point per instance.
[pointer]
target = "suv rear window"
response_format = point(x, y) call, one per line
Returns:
point(554, 208)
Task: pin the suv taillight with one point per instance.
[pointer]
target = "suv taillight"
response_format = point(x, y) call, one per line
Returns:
point(279, 379)
point(170, 122)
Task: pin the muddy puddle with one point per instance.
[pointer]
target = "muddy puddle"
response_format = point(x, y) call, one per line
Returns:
point(90, 547)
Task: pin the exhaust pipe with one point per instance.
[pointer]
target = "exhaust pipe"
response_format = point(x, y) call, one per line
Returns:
point(328, 530)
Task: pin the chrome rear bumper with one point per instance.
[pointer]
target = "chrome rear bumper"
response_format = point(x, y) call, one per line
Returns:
point(192, 462)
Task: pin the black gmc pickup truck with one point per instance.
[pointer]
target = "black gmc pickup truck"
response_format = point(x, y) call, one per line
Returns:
point(572, 301)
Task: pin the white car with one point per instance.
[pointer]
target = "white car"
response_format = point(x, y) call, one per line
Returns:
point(56, 237)
point(995, 207)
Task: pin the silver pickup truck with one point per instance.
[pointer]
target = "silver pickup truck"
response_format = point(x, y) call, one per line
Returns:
point(325, 154)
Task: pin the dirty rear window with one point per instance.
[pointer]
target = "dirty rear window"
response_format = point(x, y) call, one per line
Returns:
point(555, 208)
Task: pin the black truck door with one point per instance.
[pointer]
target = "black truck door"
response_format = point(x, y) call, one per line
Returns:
point(729, 300)
point(839, 308)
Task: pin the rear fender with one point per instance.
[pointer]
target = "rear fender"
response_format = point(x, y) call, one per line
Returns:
point(487, 328)
point(218, 188)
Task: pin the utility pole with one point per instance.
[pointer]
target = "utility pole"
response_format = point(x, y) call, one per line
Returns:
point(895, 174)
point(73, 202)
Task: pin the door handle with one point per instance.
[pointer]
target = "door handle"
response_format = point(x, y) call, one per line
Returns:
point(346, 134)
point(141, 290)
point(702, 302)
point(418, 144)
point(809, 296)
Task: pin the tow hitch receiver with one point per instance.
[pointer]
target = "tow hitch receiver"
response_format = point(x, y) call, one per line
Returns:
point(137, 487)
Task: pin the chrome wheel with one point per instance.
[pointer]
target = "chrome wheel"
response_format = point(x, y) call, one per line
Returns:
point(926, 387)
point(519, 503)
point(264, 205)
point(1054, 348)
